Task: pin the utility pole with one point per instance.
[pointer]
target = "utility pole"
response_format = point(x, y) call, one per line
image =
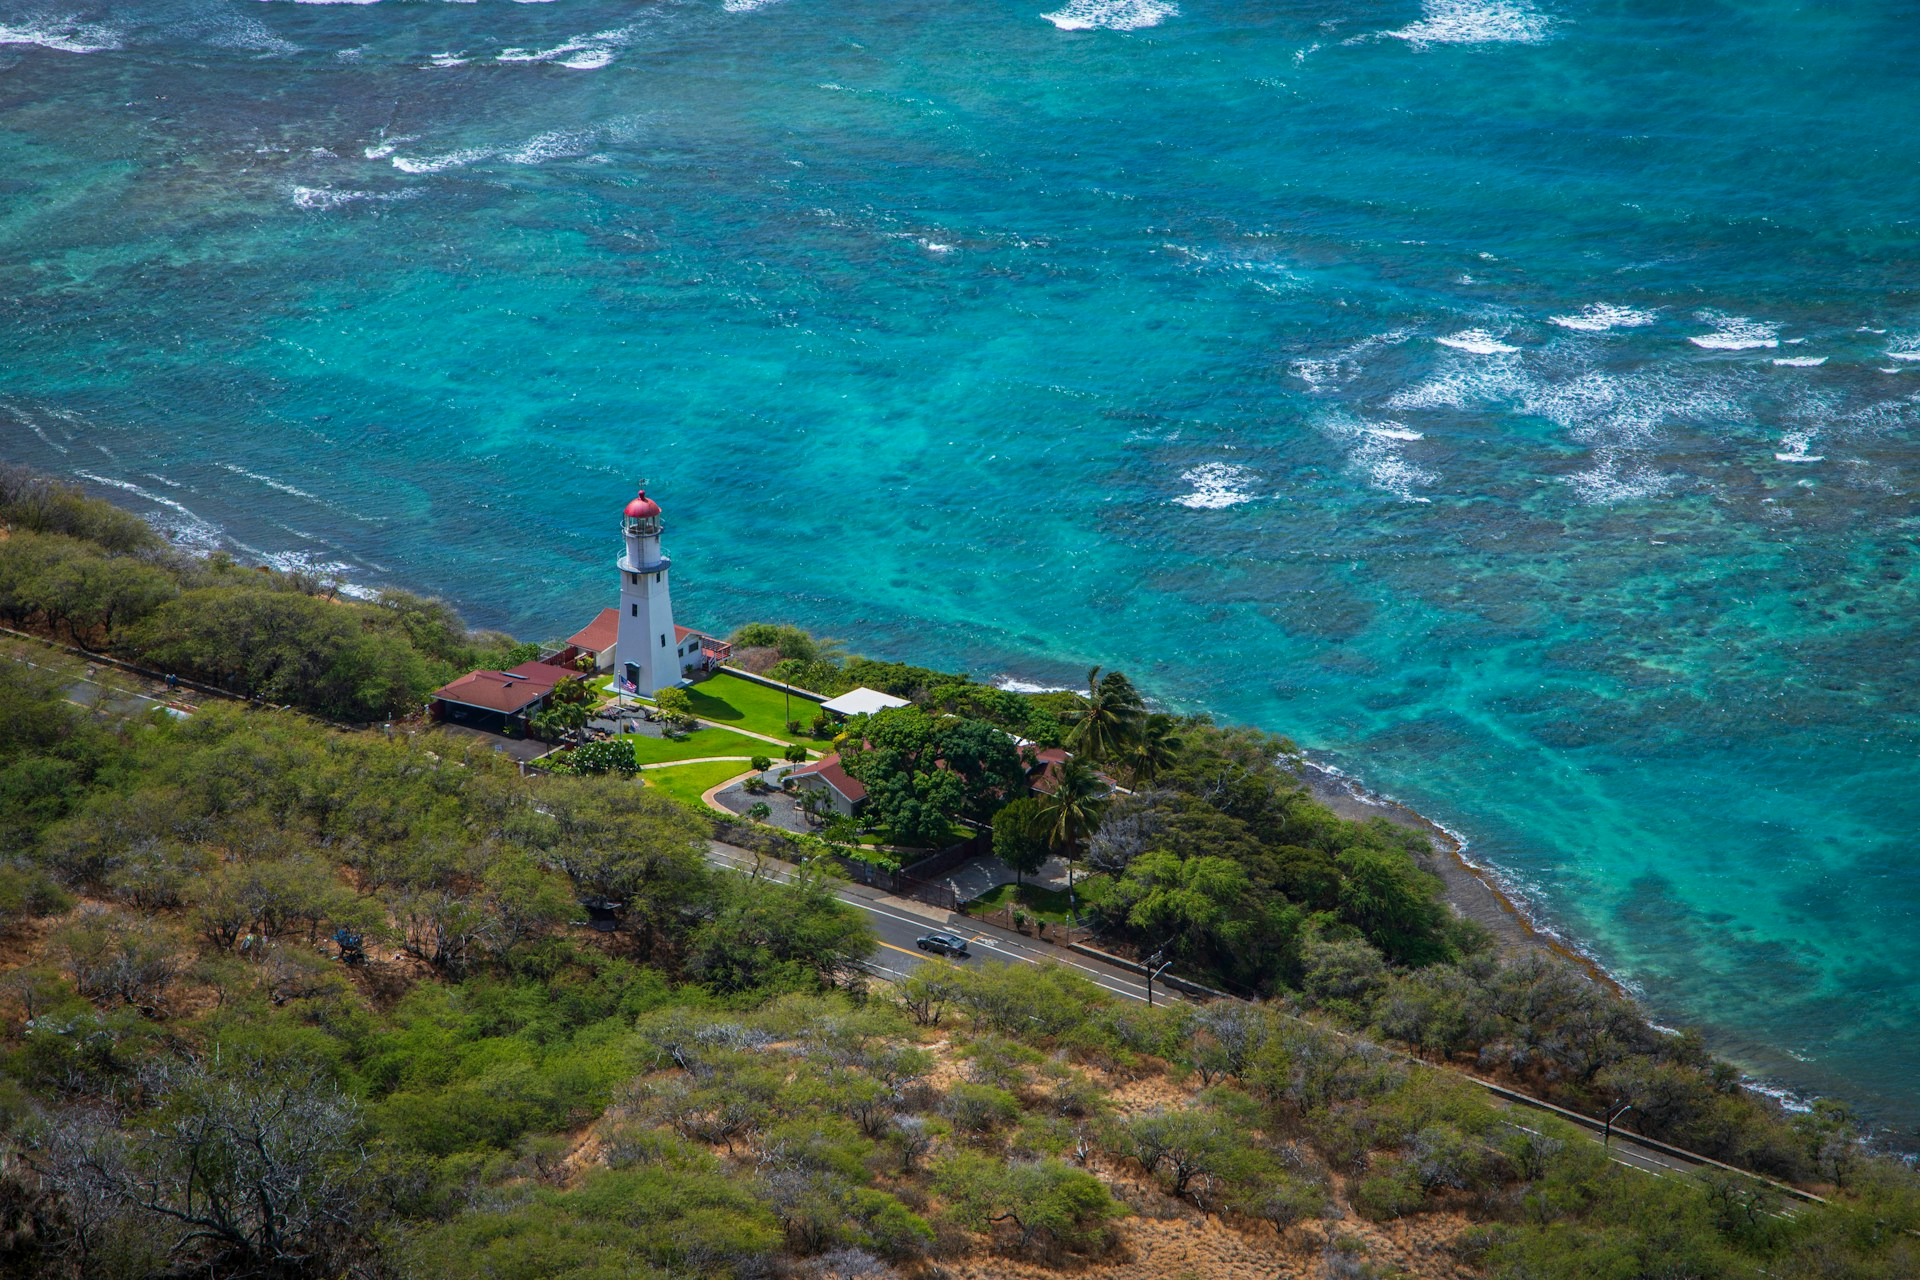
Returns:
point(1153, 973)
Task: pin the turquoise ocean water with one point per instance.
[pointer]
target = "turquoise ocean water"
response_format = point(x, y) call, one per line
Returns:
point(1513, 401)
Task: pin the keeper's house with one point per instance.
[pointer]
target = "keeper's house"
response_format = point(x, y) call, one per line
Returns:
point(498, 701)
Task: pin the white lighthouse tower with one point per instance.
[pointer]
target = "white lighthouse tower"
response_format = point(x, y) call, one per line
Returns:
point(646, 654)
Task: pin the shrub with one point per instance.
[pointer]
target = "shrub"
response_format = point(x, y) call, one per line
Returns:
point(979, 1108)
point(759, 811)
point(603, 755)
point(1391, 1193)
point(1043, 1205)
point(115, 959)
point(760, 764)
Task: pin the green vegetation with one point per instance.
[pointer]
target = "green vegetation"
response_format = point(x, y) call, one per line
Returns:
point(285, 1002)
point(81, 570)
point(921, 772)
point(1052, 905)
point(742, 704)
point(688, 782)
point(692, 746)
point(784, 652)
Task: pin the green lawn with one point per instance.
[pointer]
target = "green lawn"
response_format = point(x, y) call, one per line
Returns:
point(956, 832)
point(687, 781)
point(1038, 903)
point(701, 742)
point(743, 704)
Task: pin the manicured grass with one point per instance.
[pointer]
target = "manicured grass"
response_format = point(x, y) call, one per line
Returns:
point(701, 742)
point(687, 781)
point(1039, 903)
point(956, 832)
point(742, 704)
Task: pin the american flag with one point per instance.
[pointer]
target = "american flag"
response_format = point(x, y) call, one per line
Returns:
point(628, 686)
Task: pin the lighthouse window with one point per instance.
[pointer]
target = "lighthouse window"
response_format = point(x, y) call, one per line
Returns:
point(635, 608)
point(634, 578)
point(656, 577)
point(663, 642)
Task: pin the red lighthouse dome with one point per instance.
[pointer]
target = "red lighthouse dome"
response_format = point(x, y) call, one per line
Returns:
point(642, 507)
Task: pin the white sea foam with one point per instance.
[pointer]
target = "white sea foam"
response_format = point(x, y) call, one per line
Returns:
point(334, 197)
point(1215, 485)
point(1601, 317)
point(1476, 22)
point(1112, 15)
point(1903, 355)
point(269, 481)
point(1794, 446)
point(1736, 333)
point(442, 60)
point(1800, 362)
point(581, 53)
point(440, 163)
point(556, 144)
point(746, 6)
point(1377, 449)
point(1013, 684)
point(1477, 341)
point(183, 525)
point(1328, 371)
point(234, 31)
point(68, 35)
point(1619, 479)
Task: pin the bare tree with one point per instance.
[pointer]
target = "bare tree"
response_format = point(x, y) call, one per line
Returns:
point(253, 1165)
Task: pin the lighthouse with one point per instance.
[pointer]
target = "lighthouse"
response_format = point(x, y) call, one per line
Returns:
point(646, 654)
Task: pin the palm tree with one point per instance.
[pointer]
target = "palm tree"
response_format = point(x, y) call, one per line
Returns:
point(1156, 746)
point(1070, 811)
point(1109, 717)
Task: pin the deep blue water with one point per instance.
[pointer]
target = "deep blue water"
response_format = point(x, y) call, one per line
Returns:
point(1507, 400)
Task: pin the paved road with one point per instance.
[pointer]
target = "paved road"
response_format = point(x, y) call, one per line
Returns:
point(897, 922)
point(124, 696)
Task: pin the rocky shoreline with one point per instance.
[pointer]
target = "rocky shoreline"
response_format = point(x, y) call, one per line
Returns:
point(1468, 889)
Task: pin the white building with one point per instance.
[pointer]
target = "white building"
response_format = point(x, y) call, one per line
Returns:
point(650, 653)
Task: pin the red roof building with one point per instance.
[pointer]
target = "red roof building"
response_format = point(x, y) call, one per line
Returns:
point(844, 792)
point(497, 699)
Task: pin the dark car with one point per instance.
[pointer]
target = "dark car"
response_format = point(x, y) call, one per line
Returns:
point(944, 944)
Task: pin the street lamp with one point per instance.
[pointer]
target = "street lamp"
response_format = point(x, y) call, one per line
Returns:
point(1613, 1113)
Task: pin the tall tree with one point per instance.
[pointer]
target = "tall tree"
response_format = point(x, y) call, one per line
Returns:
point(1108, 718)
point(1020, 838)
point(1154, 748)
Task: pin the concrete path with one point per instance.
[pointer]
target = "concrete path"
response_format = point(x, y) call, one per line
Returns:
point(707, 796)
point(669, 764)
point(748, 733)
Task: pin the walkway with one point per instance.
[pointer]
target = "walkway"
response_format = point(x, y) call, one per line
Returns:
point(670, 764)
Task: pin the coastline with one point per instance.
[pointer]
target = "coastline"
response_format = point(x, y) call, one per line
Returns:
point(1471, 890)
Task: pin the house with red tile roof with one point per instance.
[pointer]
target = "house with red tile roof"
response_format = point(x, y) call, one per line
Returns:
point(499, 701)
point(827, 777)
